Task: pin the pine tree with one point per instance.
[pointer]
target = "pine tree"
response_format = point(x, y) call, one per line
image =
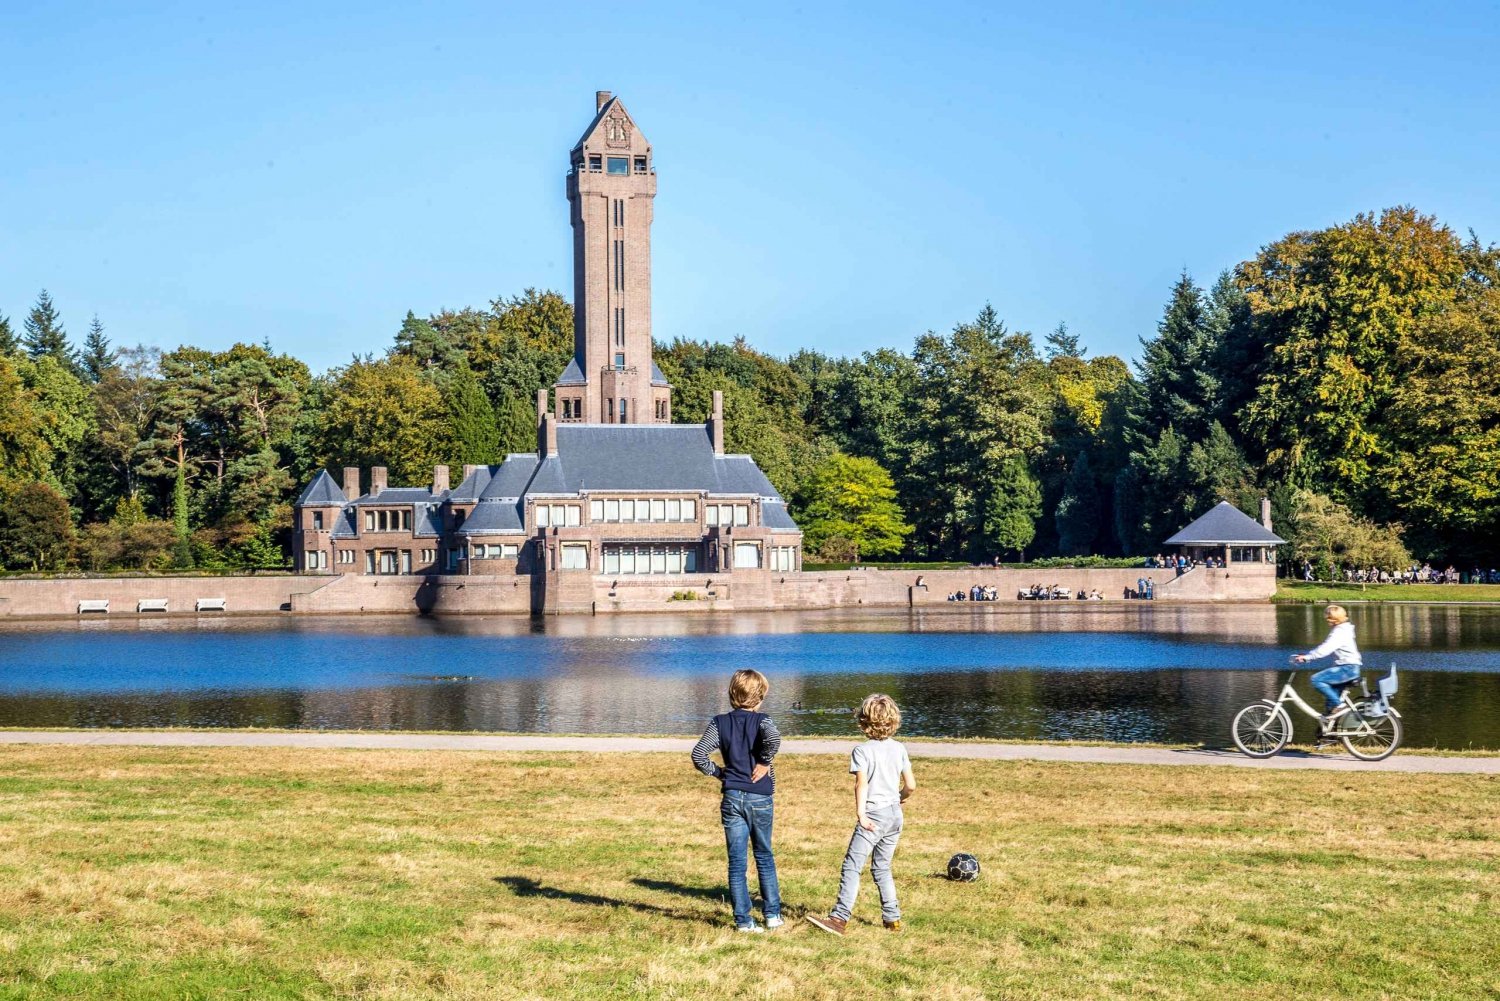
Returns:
point(1062, 344)
point(473, 431)
point(1078, 510)
point(9, 345)
point(45, 334)
point(98, 356)
point(182, 550)
point(1177, 368)
point(1013, 508)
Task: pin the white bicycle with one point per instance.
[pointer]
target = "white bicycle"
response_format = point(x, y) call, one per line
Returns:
point(1368, 727)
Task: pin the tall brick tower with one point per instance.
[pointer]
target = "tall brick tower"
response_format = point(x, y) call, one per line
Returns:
point(611, 187)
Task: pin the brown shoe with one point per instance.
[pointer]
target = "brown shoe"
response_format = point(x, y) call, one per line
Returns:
point(830, 924)
point(892, 925)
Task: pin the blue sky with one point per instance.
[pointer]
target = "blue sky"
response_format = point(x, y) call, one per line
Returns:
point(837, 176)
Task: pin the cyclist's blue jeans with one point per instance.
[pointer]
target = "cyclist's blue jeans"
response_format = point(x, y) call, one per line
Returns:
point(1325, 679)
point(748, 817)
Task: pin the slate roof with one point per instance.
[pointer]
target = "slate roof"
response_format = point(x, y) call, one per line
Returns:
point(400, 495)
point(322, 491)
point(1224, 525)
point(346, 526)
point(509, 479)
point(494, 517)
point(657, 378)
point(573, 375)
point(473, 485)
point(644, 457)
point(775, 515)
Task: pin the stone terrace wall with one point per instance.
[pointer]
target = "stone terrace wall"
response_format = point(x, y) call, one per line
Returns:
point(438, 595)
point(60, 596)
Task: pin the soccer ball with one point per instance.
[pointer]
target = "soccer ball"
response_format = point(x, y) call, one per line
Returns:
point(963, 868)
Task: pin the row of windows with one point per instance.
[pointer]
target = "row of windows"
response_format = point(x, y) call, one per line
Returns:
point(505, 551)
point(782, 558)
point(616, 164)
point(655, 509)
point(650, 559)
point(726, 514)
point(619, 210)
point(556, 514)
point(572, 409)
point(388, 521)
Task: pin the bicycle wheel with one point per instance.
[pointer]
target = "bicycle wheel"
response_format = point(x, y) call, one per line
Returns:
point(1262, 729)
point(1377, 737)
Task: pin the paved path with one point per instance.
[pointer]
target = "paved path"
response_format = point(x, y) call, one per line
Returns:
point(677, 745)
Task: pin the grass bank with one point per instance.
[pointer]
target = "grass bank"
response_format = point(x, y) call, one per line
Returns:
point(146, 873)
point(1294, 590)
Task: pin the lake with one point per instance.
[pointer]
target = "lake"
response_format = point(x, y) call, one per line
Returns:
point(1140, 672)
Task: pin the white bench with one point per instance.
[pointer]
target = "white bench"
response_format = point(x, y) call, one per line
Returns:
point(151, 605)
point(94, 605)
point(211, 605)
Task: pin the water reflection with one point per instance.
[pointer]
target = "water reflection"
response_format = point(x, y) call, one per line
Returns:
point(1142, 672)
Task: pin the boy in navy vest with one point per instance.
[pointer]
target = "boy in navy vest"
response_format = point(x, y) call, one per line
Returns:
point(747, 741)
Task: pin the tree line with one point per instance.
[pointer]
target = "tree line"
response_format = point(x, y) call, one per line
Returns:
point(1348, 373)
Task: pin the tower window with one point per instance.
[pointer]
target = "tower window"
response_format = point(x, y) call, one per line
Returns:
point(596, 163)
point(619, 328)
point(620, 366)
point(620, 265)
point(622, 399)
point(619, 211)
point(619, 165)
point(640, 165)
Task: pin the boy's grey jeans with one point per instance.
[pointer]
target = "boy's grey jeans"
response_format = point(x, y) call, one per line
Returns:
point(878, 847)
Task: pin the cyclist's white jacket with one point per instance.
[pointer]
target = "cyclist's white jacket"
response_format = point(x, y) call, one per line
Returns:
point(1340, 643)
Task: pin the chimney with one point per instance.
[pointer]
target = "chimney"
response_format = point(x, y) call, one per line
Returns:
point(541, 407)
point(351, 482)
point(1265, 512)
point(439, 479)
point(377, 480)
point(716, 423)
point(601, 98)
point(469, 468)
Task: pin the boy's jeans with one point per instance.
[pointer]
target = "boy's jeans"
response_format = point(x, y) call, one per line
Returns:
point(878, 846)
point(748, 816)
point(1325, 679)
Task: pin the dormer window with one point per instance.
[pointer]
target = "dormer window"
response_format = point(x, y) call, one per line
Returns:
point(596, 163)
point(619, 165)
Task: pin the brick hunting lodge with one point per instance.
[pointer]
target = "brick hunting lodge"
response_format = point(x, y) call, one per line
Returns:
point(614, 488)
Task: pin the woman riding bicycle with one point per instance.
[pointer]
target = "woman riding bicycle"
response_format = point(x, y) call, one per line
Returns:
point(1347, 662)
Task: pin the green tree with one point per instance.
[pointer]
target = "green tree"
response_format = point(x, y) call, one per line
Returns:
point(851, 498)
point(1063, 343)
point(384, 413)
point(65, 416)
point(36, 528)
point(1329, 535)
point(9, 345)
point(24, 451)
point(98, 356)
point(45, 334)
point(1015, 503)
point(473, 433)
point(1078, 510)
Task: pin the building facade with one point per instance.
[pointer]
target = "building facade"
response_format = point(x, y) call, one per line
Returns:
point(614, 487)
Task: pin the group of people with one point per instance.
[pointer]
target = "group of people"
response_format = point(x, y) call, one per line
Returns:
point(1182, 563)
point(1041, 592)
point(978, 592)
point(1424, 574)
point(1145, 589)
point(747, 741)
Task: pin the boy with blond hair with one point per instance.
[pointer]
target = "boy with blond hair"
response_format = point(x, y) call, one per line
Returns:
point(747, 740)
point(883, 780)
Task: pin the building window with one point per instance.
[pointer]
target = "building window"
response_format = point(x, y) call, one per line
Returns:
point(317, 521)
point(620, 362)
point(746, 556)
point(640, 165)
point(541, 516)
point(659, 510)
point(782, 558)
point(315, 559)
point(689, 510)
point(674, 510)
point(567, 409)
point(620, 212)
point(620, 334)
point(369, 561)
point(619, 265)
point(596, 510)
point(458, 517)
point(609, 408)
point(428, 555)
point(620, 367)
point(611, 510)
point(650, 559)
point(742, 514)
point(346, 556)
point(510, 551)
point(619, 165)
point(369, 521)
point(575, 556)
point(661, 410)
point(596, 163)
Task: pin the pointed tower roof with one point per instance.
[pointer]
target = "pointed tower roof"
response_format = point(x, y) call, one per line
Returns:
point(1225, 525)
point(322, 492)
point(612, 129)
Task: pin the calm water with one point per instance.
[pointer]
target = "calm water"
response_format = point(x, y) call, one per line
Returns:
point(1143, 672)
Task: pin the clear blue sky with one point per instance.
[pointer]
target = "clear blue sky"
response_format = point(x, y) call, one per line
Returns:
point(838, 176)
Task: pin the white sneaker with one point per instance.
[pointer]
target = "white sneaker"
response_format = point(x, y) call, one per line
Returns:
point(774, 923)
point(752, 929)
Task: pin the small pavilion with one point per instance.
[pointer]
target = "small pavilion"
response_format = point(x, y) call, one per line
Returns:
point(1231, 535)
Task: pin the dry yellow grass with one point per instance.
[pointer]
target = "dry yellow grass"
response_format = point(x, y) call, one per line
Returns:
point(144, 873)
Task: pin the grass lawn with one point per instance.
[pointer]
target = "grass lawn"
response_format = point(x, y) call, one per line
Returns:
point(1296, 590)
point(270, 873)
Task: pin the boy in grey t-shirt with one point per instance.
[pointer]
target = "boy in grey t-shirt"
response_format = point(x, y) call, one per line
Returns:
point(883, 780)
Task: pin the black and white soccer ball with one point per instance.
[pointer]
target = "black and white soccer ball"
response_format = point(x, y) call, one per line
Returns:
point(963, 868)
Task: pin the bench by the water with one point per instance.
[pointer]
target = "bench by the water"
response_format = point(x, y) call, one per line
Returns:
point(151, 605)
point(94, 605)
point(212, 605)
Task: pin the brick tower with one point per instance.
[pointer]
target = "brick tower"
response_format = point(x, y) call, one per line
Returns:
point(611, 187)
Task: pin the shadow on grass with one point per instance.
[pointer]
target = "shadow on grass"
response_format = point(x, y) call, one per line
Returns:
point(525, 886)
point(716, 894)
